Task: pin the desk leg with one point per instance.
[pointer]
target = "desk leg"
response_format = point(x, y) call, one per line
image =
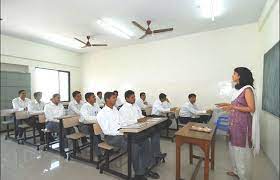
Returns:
point(34, 129)
point(191, 153)
point(213, 153)
point(15, 127)
point(178, 159)
point(61, 139)
point(91, 148)
point(129, 160)
point(206, 161)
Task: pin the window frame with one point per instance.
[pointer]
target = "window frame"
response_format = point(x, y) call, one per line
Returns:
point(69, 80)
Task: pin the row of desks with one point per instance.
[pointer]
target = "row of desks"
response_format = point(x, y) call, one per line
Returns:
point(206, 141)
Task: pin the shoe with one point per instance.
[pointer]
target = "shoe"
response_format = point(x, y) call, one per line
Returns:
point(153, 175)
point(161, 156)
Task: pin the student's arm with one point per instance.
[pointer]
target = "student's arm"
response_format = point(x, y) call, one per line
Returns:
point(87, 118)
point(195, 111)
point(49, 114)
point(73, 108)
point(126, 118)
point(16, 105)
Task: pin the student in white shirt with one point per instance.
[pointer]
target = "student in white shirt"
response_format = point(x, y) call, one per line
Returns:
point(21, 104)
point(131, 114)
point(75, 105)
point(99, 99)
point(37, 106)
point(89, 112)
point(161, 107)
point(119, 102)
point(110, 122)
point(53, 110)
point(189, 112)
point(141, 102)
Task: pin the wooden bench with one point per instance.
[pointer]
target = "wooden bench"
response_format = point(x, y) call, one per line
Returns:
point(20, 116)
point(72, 122)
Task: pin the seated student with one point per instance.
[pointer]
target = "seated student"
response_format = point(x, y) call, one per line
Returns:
point(189, 112)
point(21, 104)
point(142, 103)
point(53, 110)
point(131, 114)
point(75, 105)
point(37, 106)
point(100, 100)
point(119, 102)
point(89, 112)
point(110, 122)
point(162, 106)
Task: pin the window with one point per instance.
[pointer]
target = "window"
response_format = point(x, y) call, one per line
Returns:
point(50, 81)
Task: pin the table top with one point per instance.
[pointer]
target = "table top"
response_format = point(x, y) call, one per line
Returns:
point(142, 126)
point(7, 112)
point(36, 113)
point(66, 116)
point(188, 133)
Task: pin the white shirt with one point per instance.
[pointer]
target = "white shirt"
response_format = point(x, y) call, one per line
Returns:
point(53, 111)
point(35, 106)
point(141, 104)
point(130, 113)
point(19, 104)
point(109, 121)
point(100, 102)
point(190, 110)
point(89, 113)
point(74, 107)
point(118, 102)
point(159, 108)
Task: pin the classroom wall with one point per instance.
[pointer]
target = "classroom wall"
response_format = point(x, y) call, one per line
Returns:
point(22, 52)
point(178, 66)
point(269, 31)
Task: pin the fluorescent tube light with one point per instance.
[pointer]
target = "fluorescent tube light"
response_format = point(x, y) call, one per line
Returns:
point(115, 28)
point(72, 43)
point(211, 8)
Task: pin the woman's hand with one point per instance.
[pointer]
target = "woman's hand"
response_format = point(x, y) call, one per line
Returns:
point(228, 107)
point(222, 104)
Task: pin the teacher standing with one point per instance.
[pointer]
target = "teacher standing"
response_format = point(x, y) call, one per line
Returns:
point(241, 119)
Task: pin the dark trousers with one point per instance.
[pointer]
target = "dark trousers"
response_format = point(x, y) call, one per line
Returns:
point(88, 130)
point(201, 119)
point(140, 151)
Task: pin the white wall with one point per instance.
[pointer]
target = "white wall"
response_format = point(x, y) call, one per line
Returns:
point(22, 52)
point(269, 28)
point(178, 66)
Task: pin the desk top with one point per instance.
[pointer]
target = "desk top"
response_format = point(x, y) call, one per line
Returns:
point(66, 116)
point(143, 126)
point(7, 112)
point(36, 113)
point(188, 133)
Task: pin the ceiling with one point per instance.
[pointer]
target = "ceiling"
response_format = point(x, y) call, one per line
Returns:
point(46, 21)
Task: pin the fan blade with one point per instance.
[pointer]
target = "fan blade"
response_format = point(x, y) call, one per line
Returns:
point(80, 41)
point(162, 30)
point(84, 46)
point(138, 25)
point(143, 36)
point(99, 45)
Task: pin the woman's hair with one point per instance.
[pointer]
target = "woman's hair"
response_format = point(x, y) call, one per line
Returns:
point(246, 77)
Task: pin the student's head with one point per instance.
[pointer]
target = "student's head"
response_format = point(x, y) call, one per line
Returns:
point(77, 96)
point(90, 98)
point(22, 94)
point(143, 96)
point(192, 98)
point(242, 76)
point(99, 94)
point(38, 96)
point(130, 96)
point(116, 93)
point(110, 99)
point(162, 97)
point(56, 99)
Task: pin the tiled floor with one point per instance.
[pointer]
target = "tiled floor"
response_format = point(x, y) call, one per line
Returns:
point(22, 162)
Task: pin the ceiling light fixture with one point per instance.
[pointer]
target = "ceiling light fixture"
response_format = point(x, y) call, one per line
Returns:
point(63, 41)
point(210, 8)
point(115, 28)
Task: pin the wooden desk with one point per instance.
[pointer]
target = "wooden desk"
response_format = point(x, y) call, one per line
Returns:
point(203, 140)
point(132, 131)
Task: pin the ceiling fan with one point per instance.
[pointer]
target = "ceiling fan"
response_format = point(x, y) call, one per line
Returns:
point(148, 31)
point(88, 44)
